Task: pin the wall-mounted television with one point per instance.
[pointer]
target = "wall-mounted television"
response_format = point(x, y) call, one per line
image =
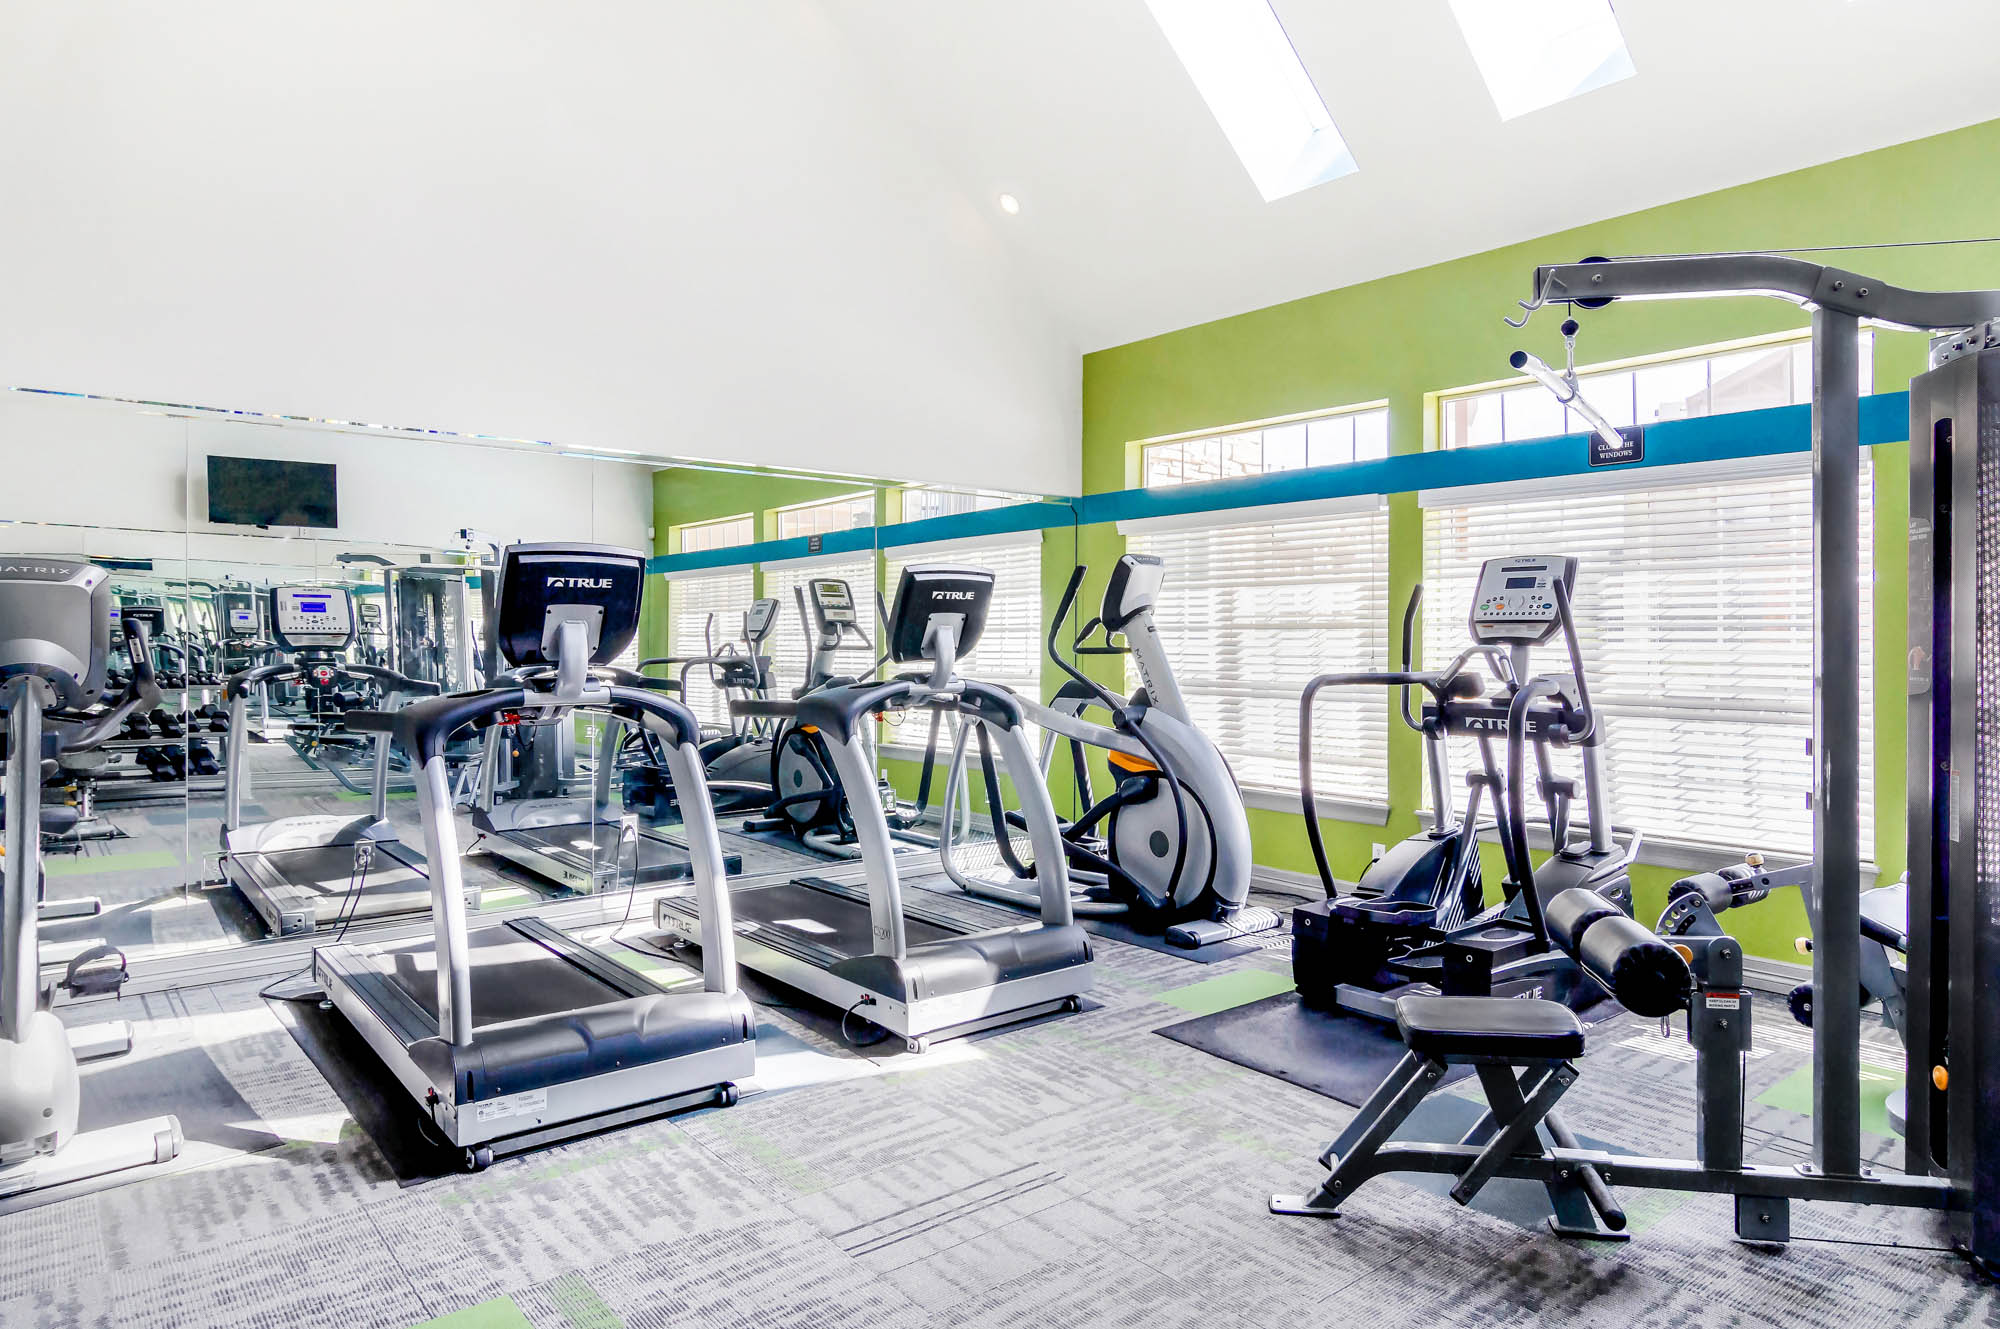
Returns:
point(256, 491)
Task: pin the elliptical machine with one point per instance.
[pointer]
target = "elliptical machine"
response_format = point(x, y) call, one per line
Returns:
point(807, 798)
point(1168, 848)
point(738, 759)
point(55, 638)
point(1418, 917)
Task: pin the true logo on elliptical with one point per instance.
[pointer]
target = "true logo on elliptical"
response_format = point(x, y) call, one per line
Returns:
point(954, 595)
point(582, 583)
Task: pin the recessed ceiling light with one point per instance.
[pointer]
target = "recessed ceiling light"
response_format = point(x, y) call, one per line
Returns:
point(1010, 205)
point(1535, 53)
point(1245, 68)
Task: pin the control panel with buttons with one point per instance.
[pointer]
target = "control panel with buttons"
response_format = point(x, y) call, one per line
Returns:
point(312, 617)
point(1515, 601)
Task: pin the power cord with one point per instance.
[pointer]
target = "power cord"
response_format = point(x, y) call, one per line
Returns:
point(847, 1038)
point(350, 904)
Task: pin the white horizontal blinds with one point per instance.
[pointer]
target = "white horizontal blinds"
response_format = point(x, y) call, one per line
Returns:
point(788, 645)
point(1010, 649)
point(1694, 609)
point(1250, 612)
point(691, 599)
point(724, 534)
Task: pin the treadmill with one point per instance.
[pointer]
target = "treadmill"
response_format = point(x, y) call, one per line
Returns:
point(922, 975)
point(579, 843)
point(318, 870)
point(517, 1035)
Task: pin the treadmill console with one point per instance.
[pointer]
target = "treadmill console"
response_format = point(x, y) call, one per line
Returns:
point(312, 618)
point(1515, 603)
point(542, 586)
point(759, 619)
point(832, 603)
point(924, 593)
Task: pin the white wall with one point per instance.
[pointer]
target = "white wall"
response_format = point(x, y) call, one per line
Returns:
point(685, 226)
point(114, 479)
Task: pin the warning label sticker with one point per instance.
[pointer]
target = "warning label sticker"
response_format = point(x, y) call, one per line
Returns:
point(513, 1105)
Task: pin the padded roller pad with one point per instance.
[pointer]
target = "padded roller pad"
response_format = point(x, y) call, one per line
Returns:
point(1646, 975)
point(1571, 913)
point(1508, 1028)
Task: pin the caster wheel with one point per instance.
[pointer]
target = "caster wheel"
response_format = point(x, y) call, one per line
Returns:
point(1072, 1004)
point(729, 1096)
point(478, 1160)
point(917, 1044)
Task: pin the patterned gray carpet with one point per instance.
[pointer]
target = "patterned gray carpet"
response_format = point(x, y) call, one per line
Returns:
point(1078, 1172)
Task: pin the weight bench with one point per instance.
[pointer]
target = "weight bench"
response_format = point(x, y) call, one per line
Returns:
point(1524, 1052)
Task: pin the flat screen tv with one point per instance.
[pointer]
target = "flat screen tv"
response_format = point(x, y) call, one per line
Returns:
point(255, 491)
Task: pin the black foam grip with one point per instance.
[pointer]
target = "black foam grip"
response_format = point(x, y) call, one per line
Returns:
point(1646, 975)
point(1571, 913)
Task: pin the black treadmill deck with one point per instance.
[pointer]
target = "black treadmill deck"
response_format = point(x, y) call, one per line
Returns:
point(593, 847)
point(518, 973)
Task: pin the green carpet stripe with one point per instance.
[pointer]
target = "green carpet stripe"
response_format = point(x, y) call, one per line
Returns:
point(505, 897)
point(349, 796)
point(1219, 994)
point(499, 1313)
point(1794, 1093)
point(92, 864)
point(581, 1306)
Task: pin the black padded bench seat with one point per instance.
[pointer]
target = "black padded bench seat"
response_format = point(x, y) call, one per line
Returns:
point(1503, 1028)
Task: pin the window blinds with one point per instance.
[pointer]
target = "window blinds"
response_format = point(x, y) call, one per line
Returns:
point(1252, 611)
point(725, 593)
point(1694, 611)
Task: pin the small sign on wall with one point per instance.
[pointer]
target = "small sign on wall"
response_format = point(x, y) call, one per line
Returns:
point(815, 543)
point(1631, 447)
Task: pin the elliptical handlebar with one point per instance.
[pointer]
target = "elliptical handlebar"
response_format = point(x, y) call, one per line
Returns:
point(1572, 732)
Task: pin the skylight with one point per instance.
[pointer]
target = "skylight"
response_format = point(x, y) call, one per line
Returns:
point(1246, 70)
point(1535, 53)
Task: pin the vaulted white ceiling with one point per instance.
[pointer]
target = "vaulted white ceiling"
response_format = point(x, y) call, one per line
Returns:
point(767, 230)
point(1136, 218)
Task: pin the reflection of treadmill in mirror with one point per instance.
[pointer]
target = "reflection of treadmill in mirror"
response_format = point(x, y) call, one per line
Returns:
point(318, 869)
point(922, 974)
point(526, 814)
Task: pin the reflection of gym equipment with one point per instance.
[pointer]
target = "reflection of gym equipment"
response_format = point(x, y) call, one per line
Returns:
point(56, 617)
point(1169, 847)
point(1418, 919)
point(809, 798)
point(738, 759)
point(318, 869)
point(921, 975)
point(517, 1035)
point(1526, 1051)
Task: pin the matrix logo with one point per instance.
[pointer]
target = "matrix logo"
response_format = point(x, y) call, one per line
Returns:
point(33, 570)
point(581, 583)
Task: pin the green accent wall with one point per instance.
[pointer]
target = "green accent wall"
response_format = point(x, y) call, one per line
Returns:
point(1405, 338)
point(1437, 329)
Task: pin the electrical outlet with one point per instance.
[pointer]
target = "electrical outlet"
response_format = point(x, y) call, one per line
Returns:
point(1377, 850)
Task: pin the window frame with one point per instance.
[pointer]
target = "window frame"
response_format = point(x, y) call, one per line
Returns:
point(1144, 449)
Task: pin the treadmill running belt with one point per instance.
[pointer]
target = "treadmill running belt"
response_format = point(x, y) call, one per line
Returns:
point(513, 978)
point(837, 922)
point(327, 870)
point(660, 859)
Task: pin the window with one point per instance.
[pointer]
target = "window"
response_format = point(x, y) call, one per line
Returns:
point(726, 533)
point(1535, 53)
point(789, 644)
point(922, 502)
point(1694, 612)
point(1254, 609)
point(1010, 649)
point(694, 602)
point(1244, 66)
point(1282, 445)
point(848, 513)
point(1680, 388)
